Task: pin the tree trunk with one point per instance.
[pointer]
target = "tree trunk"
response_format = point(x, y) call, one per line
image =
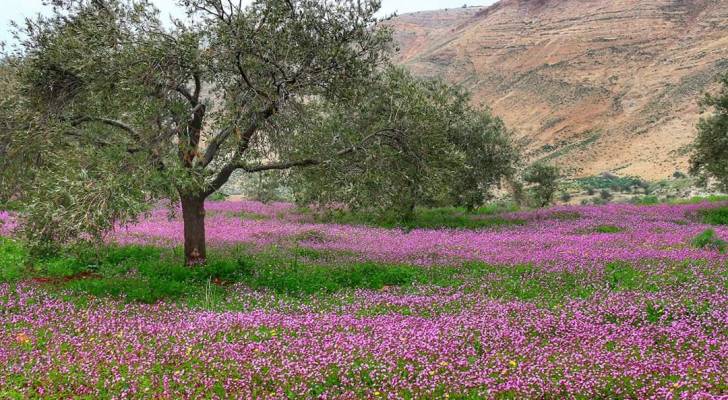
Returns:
point(193, 215)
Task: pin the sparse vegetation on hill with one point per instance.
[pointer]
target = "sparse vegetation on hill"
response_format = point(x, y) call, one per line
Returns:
point(591, 101)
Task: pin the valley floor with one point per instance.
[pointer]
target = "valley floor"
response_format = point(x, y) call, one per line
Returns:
point(616, 301)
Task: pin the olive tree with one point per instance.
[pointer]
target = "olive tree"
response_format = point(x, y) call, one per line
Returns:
point(129, 106)
point(544, 180)
point(407, 142)
point(710, 154)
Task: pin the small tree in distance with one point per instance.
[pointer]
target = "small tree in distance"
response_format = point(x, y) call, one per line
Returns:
point(710, 149)
point(545, 181)
point(426, 146)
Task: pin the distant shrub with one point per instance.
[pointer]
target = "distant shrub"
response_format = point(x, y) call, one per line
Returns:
point(545, 181)
point(605, 195)
point(679, 175)
point(565, 197)
point(709, 240)
point(607, 181)
point(715, 216)
point(428, 218)
point(645, 200)
point(590, 191)
point(218, 196)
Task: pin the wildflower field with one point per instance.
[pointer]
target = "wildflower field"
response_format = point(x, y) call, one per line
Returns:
point(591, 302)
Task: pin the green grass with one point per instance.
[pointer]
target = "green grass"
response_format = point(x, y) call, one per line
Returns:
point(11, 205)
point(713, 198)
point(12, 260)
point(149, 274)
point(708, 239)
point(715, 216)
point(429, 218)
point(623, 276)
point(608, 229)
point(295, 278)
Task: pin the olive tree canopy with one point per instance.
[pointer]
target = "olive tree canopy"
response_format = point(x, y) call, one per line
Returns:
point(417, 142)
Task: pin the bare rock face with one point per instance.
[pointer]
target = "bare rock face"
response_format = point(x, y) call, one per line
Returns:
point(594, 85)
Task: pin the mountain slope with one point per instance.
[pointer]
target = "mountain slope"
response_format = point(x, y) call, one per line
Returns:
point(594, 85)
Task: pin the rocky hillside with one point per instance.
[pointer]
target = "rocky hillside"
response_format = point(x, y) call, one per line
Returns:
point(594, 85)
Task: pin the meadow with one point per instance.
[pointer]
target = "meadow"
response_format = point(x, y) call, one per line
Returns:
point(610, 302)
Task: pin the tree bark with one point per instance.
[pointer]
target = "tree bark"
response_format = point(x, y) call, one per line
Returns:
point(193, 216)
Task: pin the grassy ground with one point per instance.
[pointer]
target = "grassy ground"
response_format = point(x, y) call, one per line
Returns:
point(312, 323)
point(429, 218)
point(150, 274)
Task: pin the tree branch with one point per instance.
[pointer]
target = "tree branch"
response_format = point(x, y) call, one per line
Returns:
point(181, 89)
point(102, 143)
point(198, 88)
point(214, 146)
point(107, 121)
point(224, 174)
point(231, 167)
point(280, 165)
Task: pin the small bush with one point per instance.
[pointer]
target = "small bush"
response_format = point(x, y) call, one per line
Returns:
point(218, 196)
point(709, 240)
point(565, 197)
point(605, 195)
point(645, 200)
point(715, 216)
point(544, 179)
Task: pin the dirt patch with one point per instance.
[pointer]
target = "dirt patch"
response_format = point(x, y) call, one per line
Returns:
point(65, 279)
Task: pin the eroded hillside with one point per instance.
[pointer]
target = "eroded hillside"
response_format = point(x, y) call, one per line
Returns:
point(594, 85)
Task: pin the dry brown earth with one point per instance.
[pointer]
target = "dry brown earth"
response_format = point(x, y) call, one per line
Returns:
point(595, 85)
